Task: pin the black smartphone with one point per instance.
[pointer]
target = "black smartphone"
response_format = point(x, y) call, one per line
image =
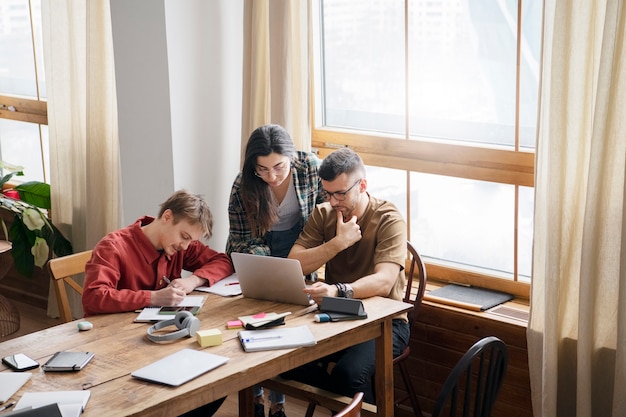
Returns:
point(20, 362)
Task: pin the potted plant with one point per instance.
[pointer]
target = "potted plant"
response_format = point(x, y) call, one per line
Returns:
point(32, 236)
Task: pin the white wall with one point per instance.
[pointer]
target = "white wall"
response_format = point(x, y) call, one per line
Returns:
point(178, 67)
point(205, 47)
point(141, 77)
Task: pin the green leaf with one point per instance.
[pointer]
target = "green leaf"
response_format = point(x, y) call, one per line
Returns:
point(23, 240)
point(7, 177)
point(36, 193)
point(59, 244)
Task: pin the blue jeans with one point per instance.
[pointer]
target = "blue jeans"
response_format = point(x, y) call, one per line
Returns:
point(354, 367)
point(280, 244)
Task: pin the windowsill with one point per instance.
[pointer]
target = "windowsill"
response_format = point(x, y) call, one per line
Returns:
point(514, 312)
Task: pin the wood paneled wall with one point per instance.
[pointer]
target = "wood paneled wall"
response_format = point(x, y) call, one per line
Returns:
point(439, 339)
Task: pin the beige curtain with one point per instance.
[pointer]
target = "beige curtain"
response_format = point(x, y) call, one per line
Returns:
point(82, 119)
point(577, 329)
point(276, 69)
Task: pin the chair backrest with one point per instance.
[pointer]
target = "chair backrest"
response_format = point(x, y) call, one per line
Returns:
point(416, 264)
point(473, 384)
point(62, 271)
point(354, 408)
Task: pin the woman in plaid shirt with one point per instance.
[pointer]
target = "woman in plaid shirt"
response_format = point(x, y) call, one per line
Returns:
point(270, 201)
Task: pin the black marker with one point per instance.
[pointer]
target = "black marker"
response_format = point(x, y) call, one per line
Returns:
point(9, 405)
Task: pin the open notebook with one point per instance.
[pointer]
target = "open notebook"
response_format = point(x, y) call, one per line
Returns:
point(71, 403)
point(191, 303)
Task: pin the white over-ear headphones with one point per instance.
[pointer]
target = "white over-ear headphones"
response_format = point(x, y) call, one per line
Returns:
point(186, 323)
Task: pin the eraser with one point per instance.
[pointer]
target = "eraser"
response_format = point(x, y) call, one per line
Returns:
point(234, 324)
point(322, 318)
point(211, 337)
point(258, 316)
point(84, 325)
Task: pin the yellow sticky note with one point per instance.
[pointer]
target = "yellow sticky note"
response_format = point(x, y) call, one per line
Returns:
point(211, 337)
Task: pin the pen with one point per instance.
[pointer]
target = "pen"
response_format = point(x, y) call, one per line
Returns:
point(167, 280)
point(9, 405)
point(254, 339)
point(232, 283)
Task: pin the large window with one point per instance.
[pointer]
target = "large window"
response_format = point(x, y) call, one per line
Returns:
point(23, 108)
point(439, 97)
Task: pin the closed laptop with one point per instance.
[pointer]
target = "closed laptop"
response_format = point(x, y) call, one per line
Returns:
point(180, 367)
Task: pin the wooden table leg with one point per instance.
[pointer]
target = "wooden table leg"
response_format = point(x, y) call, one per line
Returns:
point(384, 370)
point(246, 402)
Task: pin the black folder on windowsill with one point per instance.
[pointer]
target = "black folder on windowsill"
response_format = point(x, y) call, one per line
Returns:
point(473, 298)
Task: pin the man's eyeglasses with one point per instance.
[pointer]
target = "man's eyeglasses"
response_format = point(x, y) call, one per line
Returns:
point(279, 169)
point(340, 195)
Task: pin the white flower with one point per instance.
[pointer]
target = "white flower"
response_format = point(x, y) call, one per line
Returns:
point(32, 219)
point(40, 251)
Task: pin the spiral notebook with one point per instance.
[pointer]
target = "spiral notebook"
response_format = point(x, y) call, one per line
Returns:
point(276, 338)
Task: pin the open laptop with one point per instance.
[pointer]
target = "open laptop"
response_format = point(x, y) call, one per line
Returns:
point(180, 367)
point(270, 278)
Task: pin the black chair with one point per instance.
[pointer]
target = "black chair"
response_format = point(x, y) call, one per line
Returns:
point(400, 361)
point(473, 384)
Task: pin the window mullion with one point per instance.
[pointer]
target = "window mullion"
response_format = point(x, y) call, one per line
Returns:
point(23, 110)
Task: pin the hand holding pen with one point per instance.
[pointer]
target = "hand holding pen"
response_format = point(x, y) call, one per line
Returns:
point(167, 296)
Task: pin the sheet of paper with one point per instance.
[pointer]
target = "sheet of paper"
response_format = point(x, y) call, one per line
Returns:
point(10, 382)
point(226, 287)
point(149, 314)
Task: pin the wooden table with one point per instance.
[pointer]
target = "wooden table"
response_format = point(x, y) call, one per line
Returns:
point(120, 347)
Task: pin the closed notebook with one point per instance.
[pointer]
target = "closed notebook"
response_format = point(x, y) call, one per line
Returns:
point(276, 338)
point(180, 367)
point(67, 361)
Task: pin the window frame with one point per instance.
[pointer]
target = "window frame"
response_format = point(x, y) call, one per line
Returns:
point(28, 109)
point(25, 110)
point(507, 166)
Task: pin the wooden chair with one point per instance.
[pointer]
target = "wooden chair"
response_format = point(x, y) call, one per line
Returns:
point(354, 408)
point(473, 384)
point(400, 361)
point(62, 271)
point(416, 282)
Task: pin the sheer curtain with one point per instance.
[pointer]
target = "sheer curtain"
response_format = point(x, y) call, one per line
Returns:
point(577, 333)
point(276, 69)
point(82, 119)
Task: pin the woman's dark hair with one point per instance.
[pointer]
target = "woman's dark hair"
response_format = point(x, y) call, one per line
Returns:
point(258, 200)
